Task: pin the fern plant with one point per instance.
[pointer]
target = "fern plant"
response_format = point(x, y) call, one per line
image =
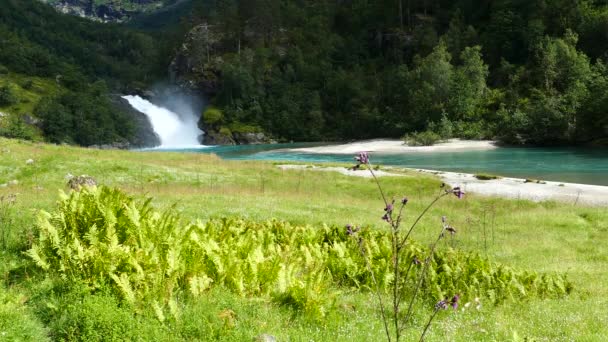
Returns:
point(105, 239)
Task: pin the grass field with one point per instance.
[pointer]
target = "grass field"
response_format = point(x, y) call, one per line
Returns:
point(543, 237)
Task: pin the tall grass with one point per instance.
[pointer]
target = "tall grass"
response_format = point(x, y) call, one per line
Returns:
point(543, 237)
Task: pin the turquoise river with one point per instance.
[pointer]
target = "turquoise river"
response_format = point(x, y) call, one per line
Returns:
point(574, 165)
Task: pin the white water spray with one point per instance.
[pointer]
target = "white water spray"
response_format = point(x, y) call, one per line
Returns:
point(174, 130)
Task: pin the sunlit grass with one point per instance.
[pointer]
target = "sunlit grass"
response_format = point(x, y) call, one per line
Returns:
point(544, 237)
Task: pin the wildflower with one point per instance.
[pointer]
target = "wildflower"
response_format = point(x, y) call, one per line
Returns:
point(351, 230)
point(386, 218)
point(458, 192)
point(442, 304)
point(454, 301)
point(389, 208)
point(404, 200)
point(362, 158)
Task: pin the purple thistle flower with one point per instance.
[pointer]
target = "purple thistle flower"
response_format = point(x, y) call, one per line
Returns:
point(386, 218)
point(442, 304)
point(362, 158)
point(454, 301)
point(351, 230)
point(458, 192)
point(404, 200)
point(389, 208)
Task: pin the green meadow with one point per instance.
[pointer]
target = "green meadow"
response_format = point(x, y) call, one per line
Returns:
point(547, 238)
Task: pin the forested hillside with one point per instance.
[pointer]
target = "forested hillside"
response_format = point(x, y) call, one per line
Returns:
point(59, 70)
point(523, 71)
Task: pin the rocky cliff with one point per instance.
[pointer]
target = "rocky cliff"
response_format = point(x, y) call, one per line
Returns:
point(144, 133)
point(106, 10)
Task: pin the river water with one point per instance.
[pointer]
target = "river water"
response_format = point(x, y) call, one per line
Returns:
point(574, 165)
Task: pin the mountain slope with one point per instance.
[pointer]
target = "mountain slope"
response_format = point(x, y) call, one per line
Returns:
point(59, 70)
point(107, 10)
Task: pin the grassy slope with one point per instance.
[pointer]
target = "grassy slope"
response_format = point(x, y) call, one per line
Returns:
point(29, 91)
point(543, 237)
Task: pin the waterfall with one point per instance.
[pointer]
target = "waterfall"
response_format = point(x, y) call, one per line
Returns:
point(174, 130)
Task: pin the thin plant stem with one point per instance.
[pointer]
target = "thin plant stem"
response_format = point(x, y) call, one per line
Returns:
point(420, 217)
point(426, 328)
point(422, 276)
point(371, 170)
point(378, 294)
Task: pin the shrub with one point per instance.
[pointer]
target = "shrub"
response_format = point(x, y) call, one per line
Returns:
point(445, 128)
point(7, 96)
point(485, 176)
point(426, 138)
point(17, 129)
point(213, 116)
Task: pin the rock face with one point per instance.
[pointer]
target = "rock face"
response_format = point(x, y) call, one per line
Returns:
point(215, 135)
point(197, 64)
point(252, 138)
point(144, 132)
point(216, 138)
point(105, 10)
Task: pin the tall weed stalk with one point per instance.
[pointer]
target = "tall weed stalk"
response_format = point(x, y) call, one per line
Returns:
point(394, 317)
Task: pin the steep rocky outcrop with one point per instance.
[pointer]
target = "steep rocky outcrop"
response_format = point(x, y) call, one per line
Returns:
point(144, 133)
point(197, 64)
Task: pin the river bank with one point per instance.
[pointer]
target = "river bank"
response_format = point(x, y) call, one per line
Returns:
point(506, 187)
point(397, 146)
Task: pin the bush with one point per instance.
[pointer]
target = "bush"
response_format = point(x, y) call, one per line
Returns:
point(445, 128)
point(17, 129)
point(426, 138)
point(27, 84)
point(7, 96)
point(485, 176)
point(213, 116)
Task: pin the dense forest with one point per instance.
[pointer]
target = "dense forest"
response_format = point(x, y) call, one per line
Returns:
point(520, 71)
point(61, 70)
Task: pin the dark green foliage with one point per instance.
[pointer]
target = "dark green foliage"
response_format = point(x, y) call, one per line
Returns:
point(426, 138)
point(513, 70)
point(85, 118)
point(7, 96)
point(17, 129)
point(74, 53)
point(38, 41)
point(485, 176)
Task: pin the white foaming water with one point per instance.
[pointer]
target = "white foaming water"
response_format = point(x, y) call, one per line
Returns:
point(174, 130)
